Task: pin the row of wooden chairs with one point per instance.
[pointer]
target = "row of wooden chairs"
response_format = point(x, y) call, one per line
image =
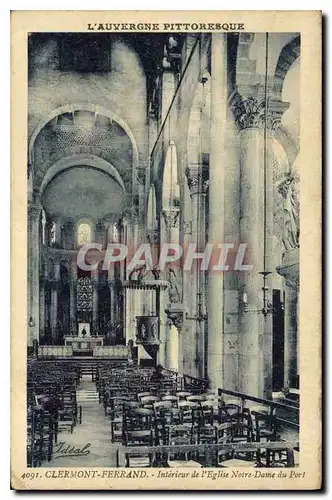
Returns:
point(179, 451)
point(41, 429)
point(51, 407)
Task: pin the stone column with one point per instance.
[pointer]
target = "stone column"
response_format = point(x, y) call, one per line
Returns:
point(251, 360)
point(95, 283)
point(290, 271)
point(42, 307)
point(216, 203)
point(69, 233)
point(73, 297)
point(34, 211)
point(173, 275)
point(290, 339)
point(197, 176)
point(100, 234)
point(256, 231)
point(54, 299)
point(112, 300)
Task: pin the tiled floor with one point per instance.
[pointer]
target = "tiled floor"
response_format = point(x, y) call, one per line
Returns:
point(94, 429)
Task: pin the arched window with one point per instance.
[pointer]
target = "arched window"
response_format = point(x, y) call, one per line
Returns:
point(83, 234)
point(52, 233)
point(113, 233)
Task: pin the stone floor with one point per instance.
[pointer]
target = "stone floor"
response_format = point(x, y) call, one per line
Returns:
point(94, 429)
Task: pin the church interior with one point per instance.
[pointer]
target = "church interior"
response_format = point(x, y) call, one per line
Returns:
point(152, 139)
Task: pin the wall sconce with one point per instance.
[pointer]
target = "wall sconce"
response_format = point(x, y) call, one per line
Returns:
point(267, 304)
point(200, 316)
point(31, 322)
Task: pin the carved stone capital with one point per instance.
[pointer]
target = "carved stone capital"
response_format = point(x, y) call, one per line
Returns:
point(141, 175)
point(171, 217)
point(197, 178)
point(290, 269)
point(175, 316)
point(152, 236)
point(34, 211)
point(250, 112)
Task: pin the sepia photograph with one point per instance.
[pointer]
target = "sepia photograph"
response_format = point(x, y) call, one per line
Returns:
point(163, 183)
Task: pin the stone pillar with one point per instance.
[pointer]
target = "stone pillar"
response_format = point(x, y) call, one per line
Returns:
point(216, 204)
point(101, 234)
point(290, 339)
point(197, 176)
point(251, 360)
point(95, 283)
point(54, 300)
point(168, 88)
point(69, 234)
point(173, 276)
point(34, 211)
point(42, 308)
point(290, 271)
point(112, 300)
point(73, 297)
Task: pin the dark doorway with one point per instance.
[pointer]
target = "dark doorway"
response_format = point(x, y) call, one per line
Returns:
point(278, 342)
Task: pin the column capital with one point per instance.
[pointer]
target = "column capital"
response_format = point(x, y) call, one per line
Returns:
point(197, 177)
point(249, 112)
point(112, 284)
point(140, 175)
point(34, 210)
point(171, 217)
point(175, 316)
point(133, 215)
point(152, 236)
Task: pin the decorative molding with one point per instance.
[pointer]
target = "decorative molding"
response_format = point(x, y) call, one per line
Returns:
point(187, 227)
point(249, 112)
point(175, 316)
point(197, 178)
point(152, 236)
point(140, 175)
point(171, 217)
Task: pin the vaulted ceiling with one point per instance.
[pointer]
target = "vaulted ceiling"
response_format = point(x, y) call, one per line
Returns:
point(83, 191)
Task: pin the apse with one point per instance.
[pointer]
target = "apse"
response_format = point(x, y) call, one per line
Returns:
point(81, 191)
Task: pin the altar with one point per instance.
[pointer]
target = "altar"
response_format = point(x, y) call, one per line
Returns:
point(84, 344)
point(83, 341)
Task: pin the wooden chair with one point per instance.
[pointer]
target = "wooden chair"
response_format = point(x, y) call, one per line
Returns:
point(186, 412)
point(116, 416)
point(173, 399)
point(147, 401)
point(196, 398)
point(246, 456)
point(143, 395)
point(139, 438)
point(231, 410)
point(180, 435)
point(265, 427)
point(277, 454)
point(212, 412)
point(242, 427)
point(183, 395)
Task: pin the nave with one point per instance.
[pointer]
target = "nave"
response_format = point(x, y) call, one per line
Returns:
point(119, 415)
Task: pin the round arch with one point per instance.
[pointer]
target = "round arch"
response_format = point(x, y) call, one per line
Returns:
point(80, 159)
point(287, 57)
point(94, 108)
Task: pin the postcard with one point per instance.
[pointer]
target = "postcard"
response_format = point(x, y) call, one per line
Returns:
point(166, 250)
